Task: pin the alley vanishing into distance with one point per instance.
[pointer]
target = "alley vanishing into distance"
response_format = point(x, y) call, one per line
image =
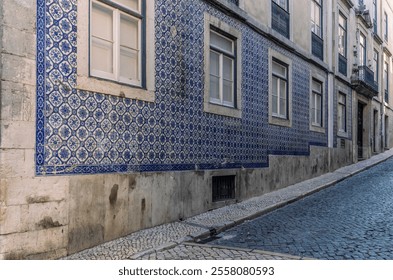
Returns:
point(351, 220)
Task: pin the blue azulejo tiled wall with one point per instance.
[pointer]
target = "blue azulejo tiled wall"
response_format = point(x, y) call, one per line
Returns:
point(81, 132)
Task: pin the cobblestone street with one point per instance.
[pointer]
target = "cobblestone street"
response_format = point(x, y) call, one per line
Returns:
point(352, 220)
point(349, 220)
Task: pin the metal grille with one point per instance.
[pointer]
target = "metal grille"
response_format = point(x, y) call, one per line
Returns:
point(223, 187)
point(342, 65)
point(317, 46)
point(280, 20)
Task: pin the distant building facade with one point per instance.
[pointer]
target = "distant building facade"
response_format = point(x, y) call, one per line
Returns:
point(122, 115)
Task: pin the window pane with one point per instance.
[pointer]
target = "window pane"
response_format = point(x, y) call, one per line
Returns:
point(274, 95)
point(316, 86)
point(275, 86)
point(129, 32)
point(130, 4)
point(313, 115)
point(214, 88)
point(319, 117)
point(228, 68)
point(102, 22)
point(214, 64)
point(228, 92)
point(221, 42)
point(283, 89)
point(129, 63)
point(313, 101)
point(102, 55)
point(318, 103)
point(283, 98)
point(279, 70)
point(283, 107)
point(274, 105)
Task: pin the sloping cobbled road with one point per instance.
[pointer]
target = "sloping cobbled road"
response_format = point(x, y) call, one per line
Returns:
point(351, 220)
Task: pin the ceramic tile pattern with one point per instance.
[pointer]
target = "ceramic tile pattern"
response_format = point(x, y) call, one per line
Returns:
point(81, 132)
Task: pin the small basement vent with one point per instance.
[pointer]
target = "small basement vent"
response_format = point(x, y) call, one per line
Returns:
point(223, 188)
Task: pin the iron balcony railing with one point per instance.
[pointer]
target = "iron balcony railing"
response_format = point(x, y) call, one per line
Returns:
point(317, 46)
point(342, 65)
point(280, 20)
point(363, 79)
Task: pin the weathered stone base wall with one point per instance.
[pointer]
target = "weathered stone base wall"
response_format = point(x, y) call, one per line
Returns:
point(49, 217)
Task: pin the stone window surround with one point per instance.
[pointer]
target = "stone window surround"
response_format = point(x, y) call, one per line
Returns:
point(93, 84)
point(214, 108)
point(320, 78)
point(272, 119)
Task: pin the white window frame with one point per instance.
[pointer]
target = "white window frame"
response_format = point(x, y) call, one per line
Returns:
point(342, 35)
point(341, 105)
point(85, 79)
point(318, 76)
point(276, 96)
point(362, 49)
point(116, 15)
point(315, 106)
point(276, 119)
point(316, 27)
point(218, 106)
point(386, 27)
point(223, 54)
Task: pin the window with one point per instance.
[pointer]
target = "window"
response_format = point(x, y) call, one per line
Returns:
point(222, 60)
point(280, 17)
point(376, 66)
point(316, 17)
point(375, 20)
point(342, 35)
point(342, 44)
point(111, 53)
point(115, 41)
point(362, 50)
point(386, 80)
point(342, 112)
point(386, 22)
point(316, 103)
point(222, 69)
point(279, 89)
point(316, 29)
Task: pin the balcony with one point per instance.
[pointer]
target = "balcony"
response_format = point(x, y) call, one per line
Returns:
point(362, 80)
point(317, 46)
point(280, 20)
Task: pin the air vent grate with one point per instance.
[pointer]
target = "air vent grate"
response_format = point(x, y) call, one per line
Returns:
point(223, 188)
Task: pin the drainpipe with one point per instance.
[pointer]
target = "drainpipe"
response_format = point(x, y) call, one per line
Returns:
point(331, 90)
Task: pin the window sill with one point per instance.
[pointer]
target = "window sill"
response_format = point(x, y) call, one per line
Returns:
point(222, 110)
point(280, 121)
point(316, 128)
point(113, 88)
point(342, 134)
